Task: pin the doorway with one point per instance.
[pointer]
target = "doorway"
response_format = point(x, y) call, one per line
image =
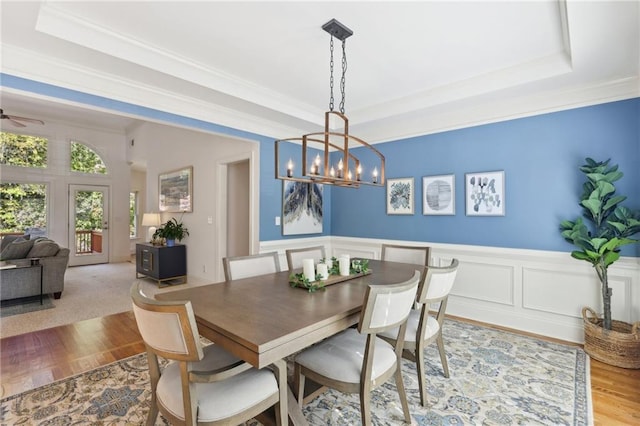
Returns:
point(238, 205)
point(88, 224)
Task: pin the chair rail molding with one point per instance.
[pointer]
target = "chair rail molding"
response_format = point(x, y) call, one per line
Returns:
point(535, 291)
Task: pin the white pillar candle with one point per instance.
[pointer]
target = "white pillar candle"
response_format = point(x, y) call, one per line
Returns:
point(323, 271)
point(344, 265)
point(308, 269)
point(328, 262)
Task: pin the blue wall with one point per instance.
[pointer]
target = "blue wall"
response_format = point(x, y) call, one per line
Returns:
point(270, 188)
point(540, 157)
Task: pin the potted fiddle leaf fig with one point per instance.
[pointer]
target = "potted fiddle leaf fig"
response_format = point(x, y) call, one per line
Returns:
point(607, 226)
point(171, 231)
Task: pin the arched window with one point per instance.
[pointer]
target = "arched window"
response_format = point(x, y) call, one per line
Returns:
point(86, 160)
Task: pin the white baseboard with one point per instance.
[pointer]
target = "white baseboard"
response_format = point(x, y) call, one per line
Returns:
point(541, 292)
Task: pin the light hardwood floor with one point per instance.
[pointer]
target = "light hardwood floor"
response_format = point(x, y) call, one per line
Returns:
point(35, 359)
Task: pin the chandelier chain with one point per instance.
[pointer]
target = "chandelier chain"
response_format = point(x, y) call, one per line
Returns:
point(331, 75)
point(344, 73)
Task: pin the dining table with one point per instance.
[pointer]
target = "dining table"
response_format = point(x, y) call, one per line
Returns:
point(263, 319)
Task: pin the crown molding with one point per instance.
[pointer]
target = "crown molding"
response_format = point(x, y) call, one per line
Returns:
point(62, 23)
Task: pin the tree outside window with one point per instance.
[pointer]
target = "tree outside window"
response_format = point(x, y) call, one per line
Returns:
point(23, 150)
point(133, 214)
point(23, 208)
point(86, 160)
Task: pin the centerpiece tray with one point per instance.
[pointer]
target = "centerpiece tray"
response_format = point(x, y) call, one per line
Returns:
point(333, 279)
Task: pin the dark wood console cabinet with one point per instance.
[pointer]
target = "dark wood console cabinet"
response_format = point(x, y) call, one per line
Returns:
point(162, 263)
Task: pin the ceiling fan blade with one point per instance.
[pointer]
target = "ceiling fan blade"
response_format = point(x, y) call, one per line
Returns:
point(16, 123)
point(29, 120)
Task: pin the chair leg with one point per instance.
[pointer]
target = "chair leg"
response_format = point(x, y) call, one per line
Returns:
point(422, 374)
point(154, 377)
point(153, 414)
point(299, 380)
point(402, 393)
point(282, 413)
point(365, 407)
point(443, 355)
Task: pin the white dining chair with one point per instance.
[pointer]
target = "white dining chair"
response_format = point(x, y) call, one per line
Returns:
point(423, 328)
point(239, 267)
point(357, 361)
point(200, 385)
point(416, 255)
point(295, 256)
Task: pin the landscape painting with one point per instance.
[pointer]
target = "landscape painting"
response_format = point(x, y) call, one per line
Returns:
point(301, 208)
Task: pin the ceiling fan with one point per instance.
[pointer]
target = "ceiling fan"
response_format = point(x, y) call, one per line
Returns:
point(17, 121)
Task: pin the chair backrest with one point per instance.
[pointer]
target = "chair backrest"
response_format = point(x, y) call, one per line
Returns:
point(295, 256)
point(438, 283)
point(406, 254)
point(239, 267)
point(168, 328)
point(387, 306)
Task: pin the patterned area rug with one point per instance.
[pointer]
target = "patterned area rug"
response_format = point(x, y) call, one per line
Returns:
point(496, 378)
point(24, 304)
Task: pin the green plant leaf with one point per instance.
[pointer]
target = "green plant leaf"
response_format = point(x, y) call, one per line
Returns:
point(593, 205)
point(610, 257)
point(613, 201)
point(598, 243)
point(580, 255)
point(613, 175)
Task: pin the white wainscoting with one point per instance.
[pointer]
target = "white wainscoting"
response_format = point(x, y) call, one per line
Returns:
point(541, 292)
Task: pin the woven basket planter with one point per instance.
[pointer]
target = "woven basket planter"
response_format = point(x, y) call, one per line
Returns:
point(619, 346)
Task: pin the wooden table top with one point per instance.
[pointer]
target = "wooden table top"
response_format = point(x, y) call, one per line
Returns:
point(262, 319)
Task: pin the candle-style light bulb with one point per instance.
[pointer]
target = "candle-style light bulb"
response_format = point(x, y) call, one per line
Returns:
point(332, 172)
point(375, 175)
point(316, 165)
point(340, 167)
point(349, 175)
point(358, 172)
point(290, 168)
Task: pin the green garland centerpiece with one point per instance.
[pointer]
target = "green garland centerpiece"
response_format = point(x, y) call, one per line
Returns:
point(358, 266)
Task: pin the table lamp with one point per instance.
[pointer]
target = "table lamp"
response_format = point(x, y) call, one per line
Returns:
point(152, 220)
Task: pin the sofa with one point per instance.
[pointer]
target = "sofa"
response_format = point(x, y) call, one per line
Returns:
point(20, 281)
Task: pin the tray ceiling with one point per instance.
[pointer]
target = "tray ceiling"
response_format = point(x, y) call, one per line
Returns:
point(413, 67)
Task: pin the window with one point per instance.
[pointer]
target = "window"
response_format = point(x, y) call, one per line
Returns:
point(133, 214)
point(23, 208)
point(23, 150)
point(86, 160)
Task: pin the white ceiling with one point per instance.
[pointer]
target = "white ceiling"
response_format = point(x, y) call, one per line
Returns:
point(413, 67)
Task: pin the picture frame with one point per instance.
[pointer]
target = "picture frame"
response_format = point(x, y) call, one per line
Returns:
point(302, 208)
point(485, 193)
point(400, 195)
point(175, 191)
point(439, 195)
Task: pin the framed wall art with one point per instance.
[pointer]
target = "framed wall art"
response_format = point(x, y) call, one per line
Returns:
point(400, 194)
point(175, 190)
point(484, 193)
point(439, 195)
point(301, 208)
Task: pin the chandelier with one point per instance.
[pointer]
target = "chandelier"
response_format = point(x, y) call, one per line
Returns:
point(332, 157)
